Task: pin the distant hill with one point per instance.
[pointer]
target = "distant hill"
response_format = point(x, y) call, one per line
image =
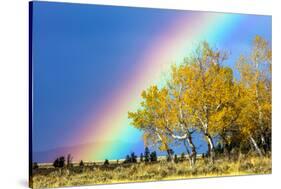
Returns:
point(49, 156)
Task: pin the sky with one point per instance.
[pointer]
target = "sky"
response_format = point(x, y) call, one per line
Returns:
point(91, 62)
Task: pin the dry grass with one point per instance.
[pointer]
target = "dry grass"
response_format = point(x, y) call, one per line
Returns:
point(51, 177)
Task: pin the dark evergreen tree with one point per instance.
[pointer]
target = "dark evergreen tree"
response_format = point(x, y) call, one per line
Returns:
point(141, 157)
point(146, 154)
point(127, 159)
point(106, 162)
point(176, 160)
point(153, 156)
point(56, 163)
point(81, 164)
point(182, 157)
point(69, 160)
point(133, 158)
point(59, 162)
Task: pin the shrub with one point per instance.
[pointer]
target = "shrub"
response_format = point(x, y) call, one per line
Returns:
point(219, 149)
point(106, 162)
point(59, 162)
point(35, 165)
point(81, 164)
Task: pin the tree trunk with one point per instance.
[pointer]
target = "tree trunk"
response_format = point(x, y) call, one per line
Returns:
point(170, 154)
point(260, 118)
point(193, 154)
point(188, 153)
point(211, 149)
point(264, 144)
point(256, 146)
point(226, 148)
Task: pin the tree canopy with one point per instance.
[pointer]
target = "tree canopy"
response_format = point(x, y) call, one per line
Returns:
point(202, 94)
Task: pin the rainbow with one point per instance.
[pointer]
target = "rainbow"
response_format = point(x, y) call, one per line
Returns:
point(111, 123)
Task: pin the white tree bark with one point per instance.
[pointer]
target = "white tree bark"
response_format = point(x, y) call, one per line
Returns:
point(211, 147)
point(193, 154)
point(256, 146)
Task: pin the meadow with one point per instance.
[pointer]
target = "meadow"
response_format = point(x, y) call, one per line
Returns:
point(89, 174)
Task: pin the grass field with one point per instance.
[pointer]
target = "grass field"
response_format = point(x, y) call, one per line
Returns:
point(139, 172)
